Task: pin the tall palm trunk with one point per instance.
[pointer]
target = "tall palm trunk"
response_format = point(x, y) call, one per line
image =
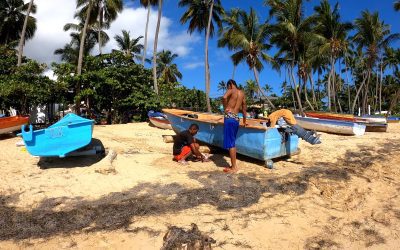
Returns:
point(366, 91)
point(358, 91)
point(306, 95)
point(295, 89)
point(347, 84)
point(313, 90)
point(155, 47)
point(380, 89)
point(233, 72)
point(259, 88)
point(207, 69)
point(80, 58)
point(145, 35)
point(329, 84)
point(100, 16)
point(22, 40)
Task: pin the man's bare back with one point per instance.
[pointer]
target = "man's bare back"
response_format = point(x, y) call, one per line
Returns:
point(235, 98)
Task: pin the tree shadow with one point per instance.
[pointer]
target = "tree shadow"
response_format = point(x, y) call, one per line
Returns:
point(75, 161)
point(224, 192)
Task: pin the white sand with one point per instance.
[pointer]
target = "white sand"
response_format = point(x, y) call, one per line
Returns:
point(341, 194)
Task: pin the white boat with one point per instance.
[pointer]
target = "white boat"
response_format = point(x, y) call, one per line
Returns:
point(160, 122)
point(331, 126)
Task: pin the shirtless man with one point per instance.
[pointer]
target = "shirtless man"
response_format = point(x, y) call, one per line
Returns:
point(233, 100)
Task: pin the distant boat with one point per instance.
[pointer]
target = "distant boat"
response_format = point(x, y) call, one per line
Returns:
point(67, 135)
point(12, 123)
point(255, 140)
point(159, 120)
point(372, 123)
point(331, 126)
point(393, 119)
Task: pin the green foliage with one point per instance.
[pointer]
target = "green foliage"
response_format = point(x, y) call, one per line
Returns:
point(25, 86)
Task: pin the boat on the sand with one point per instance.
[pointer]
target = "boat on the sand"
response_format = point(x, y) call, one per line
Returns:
point(12, 123)
point(63, 137)
point(331, 126)
point(159, 120)
point(255, 140)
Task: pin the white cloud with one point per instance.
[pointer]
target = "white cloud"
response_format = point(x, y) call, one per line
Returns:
point(53, 15)
point(193, 65)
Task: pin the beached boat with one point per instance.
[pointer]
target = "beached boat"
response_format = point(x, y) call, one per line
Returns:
point(393, 119)
point(12, 123)
point(331, 126)
point(330, 116)
point(67, 135)
point(255, 140)
point(159, 120)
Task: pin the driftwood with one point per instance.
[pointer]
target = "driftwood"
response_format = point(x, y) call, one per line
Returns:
point(105, 166)
point(178, 239)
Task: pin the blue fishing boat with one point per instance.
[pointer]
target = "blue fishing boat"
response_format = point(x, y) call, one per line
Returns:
point(331, 126)
point(256, 140)
point(67, 135)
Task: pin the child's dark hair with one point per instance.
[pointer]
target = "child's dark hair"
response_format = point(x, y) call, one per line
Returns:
point(194, 125)
point(231, 82)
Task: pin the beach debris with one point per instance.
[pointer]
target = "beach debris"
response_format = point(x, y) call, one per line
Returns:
point(105, 166)
point(177, 238)
point(20, 143)
point(309, 136)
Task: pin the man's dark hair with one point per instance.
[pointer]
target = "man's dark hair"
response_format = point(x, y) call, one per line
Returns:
point(231, 82)
point(195, 126)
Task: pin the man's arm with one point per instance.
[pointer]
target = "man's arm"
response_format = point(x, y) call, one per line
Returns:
point(196, 151)
point(225, 98)
point(244, 108)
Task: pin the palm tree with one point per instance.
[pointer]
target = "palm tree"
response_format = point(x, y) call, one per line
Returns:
point(251, 88)
point(396, 6)
point(289, 35)
point(333, 40)
point(22, 40)
point(160, 2)
point(201, 15)
point(130, 47)
point(222, 86)
point(147, 4)
point(372, 35)
point(70, 51)
point(167, 70)
point(229, 19)
point(248, 39)
point(13, 15)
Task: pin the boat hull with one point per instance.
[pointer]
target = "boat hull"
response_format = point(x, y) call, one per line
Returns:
point(67, 135)
point(160, 122)
point(262, 144)
point(331, 126)
point(331, 116)
point(376, 127)
point(13, 123)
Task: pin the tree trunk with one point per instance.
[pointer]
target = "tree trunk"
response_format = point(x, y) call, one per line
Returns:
point(313, 91)
point(394, 101)
point(145, 35)
point(207, 66)
point(100, 26)
point(306, 95)
point(347, 83)
point(22, 40)
point(358, 92)
point(365, 98)
point(259, 88)
point(233, 72)
point(380, 89)
point(329, 85)
point(155, 47)
point(80, 58)
point(295, 90)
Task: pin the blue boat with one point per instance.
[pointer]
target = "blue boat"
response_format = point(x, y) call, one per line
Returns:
point(67, 135)
point(331, 126)
point(256, 140)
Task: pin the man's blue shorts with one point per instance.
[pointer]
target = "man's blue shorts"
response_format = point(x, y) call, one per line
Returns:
point(231, 126)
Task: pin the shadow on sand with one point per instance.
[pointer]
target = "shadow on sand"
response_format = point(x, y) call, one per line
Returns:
point(224, 192)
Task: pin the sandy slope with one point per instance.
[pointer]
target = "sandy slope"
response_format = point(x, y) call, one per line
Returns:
point(341, 194)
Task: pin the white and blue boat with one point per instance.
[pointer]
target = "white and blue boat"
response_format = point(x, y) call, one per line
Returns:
point(67, 135)
point(256, 140)
point(331, 126)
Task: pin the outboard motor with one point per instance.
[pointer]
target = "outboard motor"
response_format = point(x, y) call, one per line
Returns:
point(309, 136)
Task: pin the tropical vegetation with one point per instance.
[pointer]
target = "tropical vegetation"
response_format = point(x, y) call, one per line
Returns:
point(328, 63)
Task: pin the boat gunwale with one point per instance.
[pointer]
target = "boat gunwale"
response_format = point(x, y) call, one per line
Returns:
point(168, 111)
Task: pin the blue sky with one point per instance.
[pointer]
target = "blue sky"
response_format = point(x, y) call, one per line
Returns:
point(220, 64)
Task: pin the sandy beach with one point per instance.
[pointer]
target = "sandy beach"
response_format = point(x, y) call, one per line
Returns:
point(341, 194)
